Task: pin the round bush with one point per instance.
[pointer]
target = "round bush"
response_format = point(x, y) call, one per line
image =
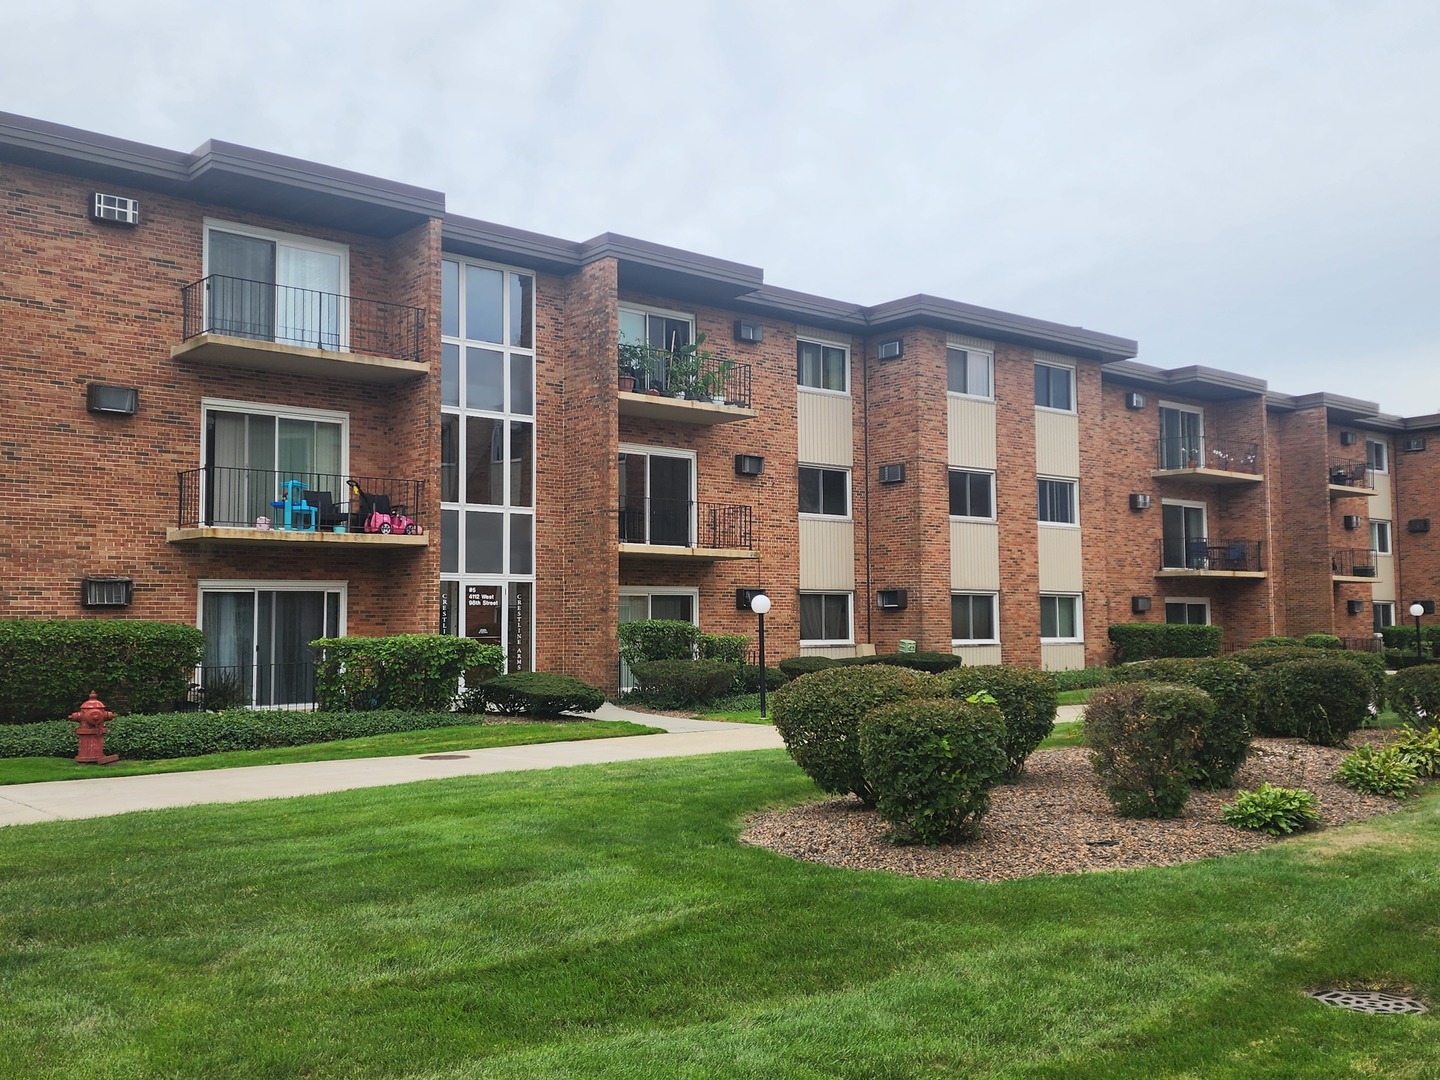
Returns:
point(1415, 694)
point(918, 661)
point(1321, 641)
point(1321, 701)
point(1142, 738)
point(540, 693)
point(796, 666)
point(818, 716)
point(677, 683)
point(1225, 740)
point(748, 680)
point(1024, 696)
point(932, 764)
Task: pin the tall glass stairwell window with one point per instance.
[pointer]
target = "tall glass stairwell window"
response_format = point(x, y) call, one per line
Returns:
point(271, 287)
point(1182, 438)
point(249, 454)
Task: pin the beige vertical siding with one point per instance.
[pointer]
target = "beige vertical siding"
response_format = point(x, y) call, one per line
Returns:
point(974, 556)
point(1061, 566)
point(826, 430)
point(1381, 504)
point(819, 333)
point(1057, 443)
point(827, 554)
point(1384, 587)
point(1066, 657)
point(964, 341)
point(837, 651)
point(978, 654)
point(971, 433)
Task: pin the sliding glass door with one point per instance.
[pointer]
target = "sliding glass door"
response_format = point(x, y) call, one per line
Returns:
point(248, 456)
point(268, 289)
point(258, 640)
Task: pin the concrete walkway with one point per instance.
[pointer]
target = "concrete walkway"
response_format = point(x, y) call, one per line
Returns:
point(23, 804)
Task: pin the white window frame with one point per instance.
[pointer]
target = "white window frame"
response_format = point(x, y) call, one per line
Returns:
point(1379, 527)
point(1074, 501)
point(805, 387)
point(1077, 598)
point(978, 472)
point(1074, 404)
point(1189, 600)
point(1384, 454)
point(1186, 504)
point(1193, 410)
point(994, 599)
point(850, 612)
point(1376, 614)
point(647, 310)
point(669, 451)
point(989, 357)
point(279, 412)
point(849, 494)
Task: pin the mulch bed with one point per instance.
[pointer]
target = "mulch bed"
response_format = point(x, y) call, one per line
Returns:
point(1056, 820)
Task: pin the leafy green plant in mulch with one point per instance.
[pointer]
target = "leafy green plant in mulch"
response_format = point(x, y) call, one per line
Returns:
point(1142, 738)
point(1322, 700)
point(1225, 739)
point(1025, 697)
point(1277, 811)
point(1421, 749)
point(1384, 771)
point(672, 684)
point(1415, 694)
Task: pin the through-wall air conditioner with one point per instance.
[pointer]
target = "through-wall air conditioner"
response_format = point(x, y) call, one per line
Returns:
point(1347, 438)
point(892, 474)
point(1139, 501)
point(1134, 401)
point(1354, 607)
point(104, 591)
point(749, 464)
point(1415, 525)
point(744, 596)
point(1351, 521)
point(113, 400)
point(114, 209)
point(1412, 445)
point(890, 350)
point(748, 331)
point(893, 599)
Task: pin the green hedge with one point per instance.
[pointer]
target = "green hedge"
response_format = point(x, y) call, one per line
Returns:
point(1401, 638)
point(414, 672)
point(1083, 678)
point(1151, 641)
point(795, 666)
point(1142, 738)
point(1415, 694)
point(932, 662)
point(731, 648)
point(658, 639)
point(671, 684)
point(538, 693)
point(748, 679)
point(1320, 700)
point(1321, 641)
point(1372, 664)
point(49, 666)
point(1024, 696)
point(1225, 739)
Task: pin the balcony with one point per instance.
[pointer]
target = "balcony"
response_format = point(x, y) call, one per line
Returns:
point(684, 529)
point(1202, 557)
point(261, 326)
point(1353, 564)
point(1207, 459)
point(219, 505)
point(1350, 478)
point(683, 389)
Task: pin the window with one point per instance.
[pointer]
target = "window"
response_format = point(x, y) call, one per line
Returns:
point(1384, 614)
point(657, 497)
point(1377, 455)
point(1059, 618)
point(1186, 610)
point(664, 333)
point(1057, 502)
point(1055, 387)
point(825, 619)
point(972, 617)
point(825, 491)
point(1380, 537)
point(249, 450)
point(972, 494)
point(258, 634)
point(1182, 437)
point(272, 287)
point(1183, 544)
point(822, 367)
point(970, 372)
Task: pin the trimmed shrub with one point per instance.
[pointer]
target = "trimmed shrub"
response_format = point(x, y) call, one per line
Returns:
point(416, 672)
point(1421, 749)
point(49, 666)
point(1319, 700)
point(1415, 694)
point(796, 666)
point(1377, 772)
point(658, 639)
point(1321, 641)
point(1150, 641)
point(731, 648)
point(932, 662)
point(818, 716)
point(1401, 638)
point(669, 684)
point(1275, 642)
point(1142, 738)
point(1084, 678)
point(1399, 661)
point(540, 693)
point(1273, 810)
point(1024, 696)
point(1225, 740)
point(931, 764)
point(748, 681)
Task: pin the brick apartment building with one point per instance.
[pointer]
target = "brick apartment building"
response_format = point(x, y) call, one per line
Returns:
point(185, 333)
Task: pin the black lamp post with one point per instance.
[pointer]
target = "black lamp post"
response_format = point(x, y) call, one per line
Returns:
point(760, 604)
point(1417, 609)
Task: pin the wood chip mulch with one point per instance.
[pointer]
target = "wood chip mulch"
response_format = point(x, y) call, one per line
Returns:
point(1056, 820)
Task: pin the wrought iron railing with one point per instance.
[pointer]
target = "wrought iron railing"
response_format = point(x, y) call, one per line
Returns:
point(659, 371)
point(264, 311)
point(1202, 553)
point(1368, 643)
point(684, 523)
point(254, 686)
point(1208, 452)
point(1354, 474)
point(1352, 562)
point(218, 496)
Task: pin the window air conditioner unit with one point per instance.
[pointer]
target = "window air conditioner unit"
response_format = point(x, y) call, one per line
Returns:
point(115, 209)
point(1352, 521)
point(890, 350)
point(744, 596)
point(112, 400)
point(1139, 501)
point(1412, 445)
point(749, 464)
point(1134, 401)
point(893, 599)
point(1139, 605)
point(106, 592)
point(892, 474)
point(748, 331)
point(1354, 607)
point(1416, 525)
point(1347, 438)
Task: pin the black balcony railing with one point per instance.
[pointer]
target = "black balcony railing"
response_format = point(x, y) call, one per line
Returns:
point(1208, 452)
point(1354, 474)
point(263, 311)
point(1368, 643)
point(684, 523)
point(217, 496)
point(677, 375)
point(1352, 562)
point(1202, 553)
point(240, 686)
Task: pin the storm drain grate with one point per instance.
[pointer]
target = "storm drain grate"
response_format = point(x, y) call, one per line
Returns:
point(443, 757)
point(1368, 1001)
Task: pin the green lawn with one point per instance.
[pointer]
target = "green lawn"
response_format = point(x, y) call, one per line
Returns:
point(1074, 697)
point(605, 922)
point(425, 741)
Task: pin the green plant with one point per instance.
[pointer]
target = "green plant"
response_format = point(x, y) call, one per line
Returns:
point(1149, 641)
point(748, 680)
point(224, 689)
point(1319, 700)
point(711, 381)
point(796, 666)
point(683, 367)
point(931, 764)
point(1415, 694)
point(1083, 678)
point(404, 671)
point(667, 684)
point(49, 666)
point(818, 716)
point(731, 648)
point(1421, 749)
point(1273, 810)
point(1275, 642)
point(917, 661)
point(1225, 739)
point(657, 639)
point(540, 693)
point(1378, 772)
point(1142, 738)
point(1321, 641)
point(1025, 697)
point(637, 360)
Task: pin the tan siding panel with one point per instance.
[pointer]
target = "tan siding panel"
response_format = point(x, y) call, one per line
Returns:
point(964, 341)
point(1057, 444)
point(972, 433)
point(1066, 657)
point(835, 651)
point(1384, 587)
point(978, 654)
point(974, 557)
point(1381, 504)
point(826, 428)
point(1061, 566)
point(827, 555)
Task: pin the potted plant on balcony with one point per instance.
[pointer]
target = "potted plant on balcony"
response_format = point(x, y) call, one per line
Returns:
point(712, 381)
point(635, 365)
point(684, 366)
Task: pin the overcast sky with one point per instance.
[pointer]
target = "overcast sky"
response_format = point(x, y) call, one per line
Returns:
point(1249, 186)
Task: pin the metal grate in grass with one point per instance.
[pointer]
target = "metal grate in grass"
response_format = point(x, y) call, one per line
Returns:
point(1369, 1001)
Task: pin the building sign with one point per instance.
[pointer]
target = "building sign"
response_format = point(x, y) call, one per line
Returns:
point(483, 609)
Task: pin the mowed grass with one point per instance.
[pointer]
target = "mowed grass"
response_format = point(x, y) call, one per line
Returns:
point(397, 744)
point(605, 922)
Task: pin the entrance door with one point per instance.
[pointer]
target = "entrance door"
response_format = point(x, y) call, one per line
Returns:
point(496, 613)
point(637, 607)
point(1182, 438)
point(273, 291)
point(259, 640)
point(1184, 545)
point(656, 504)
point(247, 455)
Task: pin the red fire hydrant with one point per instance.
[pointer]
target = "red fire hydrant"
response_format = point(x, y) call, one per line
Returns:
point(91, 721)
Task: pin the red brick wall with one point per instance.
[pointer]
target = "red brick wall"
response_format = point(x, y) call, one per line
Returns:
point(1416, 476)
point(1016, 506)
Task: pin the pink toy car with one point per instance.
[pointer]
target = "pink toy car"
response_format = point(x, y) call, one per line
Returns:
point(378, 516)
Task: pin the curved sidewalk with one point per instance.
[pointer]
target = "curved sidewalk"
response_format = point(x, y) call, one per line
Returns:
point(23, 804)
